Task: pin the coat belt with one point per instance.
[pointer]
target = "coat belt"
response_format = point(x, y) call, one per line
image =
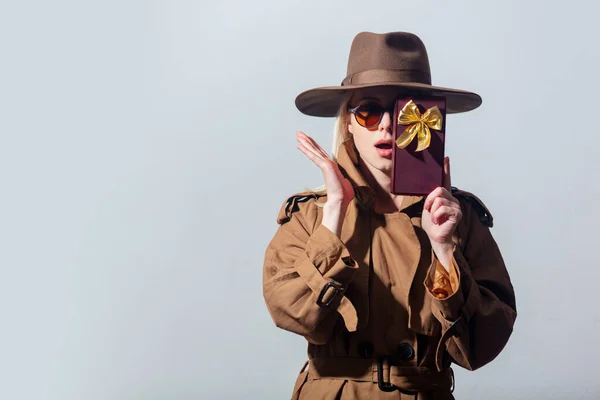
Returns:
point(406, 378)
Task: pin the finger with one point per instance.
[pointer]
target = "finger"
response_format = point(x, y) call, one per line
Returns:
point(443, 214)
point(323, 152)
point(450, 210)
point(308, 146)
point(437, 192)
point(446, 176)
point(438, 202)
point(312, 156)
point(317, 147)
point(311, 144)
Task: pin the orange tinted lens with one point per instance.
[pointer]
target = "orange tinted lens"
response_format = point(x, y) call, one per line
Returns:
point(368, 117)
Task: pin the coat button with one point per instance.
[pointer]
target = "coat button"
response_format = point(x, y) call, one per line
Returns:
point(406, 352)
point(365, 349)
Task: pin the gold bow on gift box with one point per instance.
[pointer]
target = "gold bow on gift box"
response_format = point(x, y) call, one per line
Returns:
point(418, 125)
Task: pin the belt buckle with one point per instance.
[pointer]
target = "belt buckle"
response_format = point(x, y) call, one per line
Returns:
point(384, 386)
point(388, 386)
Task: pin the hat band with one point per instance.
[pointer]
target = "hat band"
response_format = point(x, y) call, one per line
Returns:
point(388, 75)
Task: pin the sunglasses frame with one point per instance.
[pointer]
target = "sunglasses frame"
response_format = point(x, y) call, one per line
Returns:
point(382, 111)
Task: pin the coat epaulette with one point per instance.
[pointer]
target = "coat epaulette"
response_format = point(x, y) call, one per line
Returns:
point(485, 216)
point(291, 205)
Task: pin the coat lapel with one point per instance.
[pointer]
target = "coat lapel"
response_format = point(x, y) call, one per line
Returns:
point(356, 235)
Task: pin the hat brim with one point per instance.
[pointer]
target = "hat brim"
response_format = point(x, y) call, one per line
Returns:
point(326, 101)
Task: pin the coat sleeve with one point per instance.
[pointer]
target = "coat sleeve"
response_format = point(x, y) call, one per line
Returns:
point(477, 319)
point(306, 272)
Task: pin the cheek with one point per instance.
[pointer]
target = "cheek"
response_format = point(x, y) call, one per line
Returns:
point(363, 138)
point(364, 141)
point(361, 142)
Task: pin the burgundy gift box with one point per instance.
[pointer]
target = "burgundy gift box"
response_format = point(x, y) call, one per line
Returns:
point(418, 172)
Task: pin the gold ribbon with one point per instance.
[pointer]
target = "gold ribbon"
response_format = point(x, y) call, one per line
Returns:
point(418, 125)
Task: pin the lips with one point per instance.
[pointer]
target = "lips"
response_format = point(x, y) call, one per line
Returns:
point(384, 148)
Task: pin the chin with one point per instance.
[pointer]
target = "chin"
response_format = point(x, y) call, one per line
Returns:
point(386, 167)
point(382, 164)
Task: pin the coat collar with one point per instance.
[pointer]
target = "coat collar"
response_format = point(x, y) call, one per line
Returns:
point(349, 160)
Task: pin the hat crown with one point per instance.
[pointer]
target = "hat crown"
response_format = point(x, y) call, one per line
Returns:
point(401, 52)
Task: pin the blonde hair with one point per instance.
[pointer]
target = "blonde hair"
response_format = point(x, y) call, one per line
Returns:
point(340, 135)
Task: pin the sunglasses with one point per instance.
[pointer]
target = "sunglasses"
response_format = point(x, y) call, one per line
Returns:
point(369, 115)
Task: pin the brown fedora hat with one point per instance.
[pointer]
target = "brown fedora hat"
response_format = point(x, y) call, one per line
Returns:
point(395, 59)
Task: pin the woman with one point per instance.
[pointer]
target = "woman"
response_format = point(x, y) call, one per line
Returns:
point(388, 290)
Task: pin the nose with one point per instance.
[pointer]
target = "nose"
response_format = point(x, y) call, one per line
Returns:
point(386, 122)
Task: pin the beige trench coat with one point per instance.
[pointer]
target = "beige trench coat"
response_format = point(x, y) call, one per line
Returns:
point(363, 301)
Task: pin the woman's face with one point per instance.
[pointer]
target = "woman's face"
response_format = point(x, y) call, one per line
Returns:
point(375, 144)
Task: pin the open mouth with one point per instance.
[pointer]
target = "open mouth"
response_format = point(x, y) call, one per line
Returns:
point(384, 148)
point(384, 145)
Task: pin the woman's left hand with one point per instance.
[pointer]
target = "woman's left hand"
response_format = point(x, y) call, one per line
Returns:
point(441, 212)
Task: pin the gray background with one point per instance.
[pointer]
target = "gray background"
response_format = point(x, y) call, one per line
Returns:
point(146, 148)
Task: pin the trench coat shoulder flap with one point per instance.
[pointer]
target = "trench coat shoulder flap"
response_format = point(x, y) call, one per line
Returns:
point(484, 214)
point(292, 204)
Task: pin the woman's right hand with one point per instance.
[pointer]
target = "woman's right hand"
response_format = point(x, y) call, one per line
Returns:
point(339, 189)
